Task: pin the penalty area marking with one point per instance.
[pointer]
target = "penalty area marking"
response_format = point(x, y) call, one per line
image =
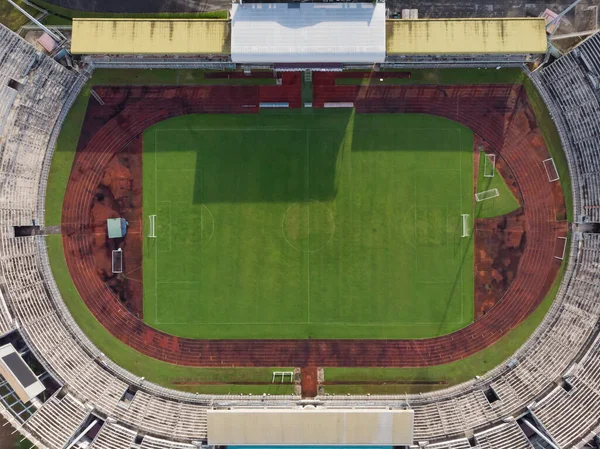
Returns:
point(203, 244)
point(212, 231)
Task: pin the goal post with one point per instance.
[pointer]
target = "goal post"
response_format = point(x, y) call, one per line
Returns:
point(489, 166)
point(117, 261)
point(152, 226)
point(283, 375)
point(486, 195)
point(466, 228)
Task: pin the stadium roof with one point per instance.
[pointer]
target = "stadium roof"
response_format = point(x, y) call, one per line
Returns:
point(308, 427)
point(466, 36)
point(308, 32)
point(150, 36)
point(18, 374)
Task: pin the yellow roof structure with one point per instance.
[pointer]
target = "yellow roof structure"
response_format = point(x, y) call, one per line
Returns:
point(150, 36)
point(466, 36)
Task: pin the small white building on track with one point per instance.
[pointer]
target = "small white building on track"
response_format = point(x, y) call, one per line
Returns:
point(308, 33)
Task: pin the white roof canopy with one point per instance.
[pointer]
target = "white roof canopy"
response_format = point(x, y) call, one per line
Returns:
point(308, 32)
point(310, 427)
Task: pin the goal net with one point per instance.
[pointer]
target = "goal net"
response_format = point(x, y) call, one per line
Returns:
point(152, 226)
point(489, 166)
point(117, 261)
point(283, 375)
point(486, 195)
point(466, 229)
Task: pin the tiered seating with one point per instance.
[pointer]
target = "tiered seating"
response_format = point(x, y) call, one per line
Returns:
point(568, 416)
point(113, 436)
point(590, 54)
point(577, 109)
point(44, 89)
point(451, 417)
point(155, 443)
point(507, 436)
point(7, 98)
point(16, 56)
point(56, 422)
point(462, 443)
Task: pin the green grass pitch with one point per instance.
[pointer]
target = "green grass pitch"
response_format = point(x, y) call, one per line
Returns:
point(503, 204)
point(329, 224)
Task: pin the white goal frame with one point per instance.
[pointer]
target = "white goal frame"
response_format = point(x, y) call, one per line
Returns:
point(283, 375)
point(551, 177)
point(152, 226)
point(117, 256)
point(466, 229)
point(490, 159)
point(487, 195)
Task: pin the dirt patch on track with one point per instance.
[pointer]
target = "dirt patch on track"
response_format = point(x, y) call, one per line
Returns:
point(117, 194)
point(499, 242)
point(500, 114)
point(309, 380)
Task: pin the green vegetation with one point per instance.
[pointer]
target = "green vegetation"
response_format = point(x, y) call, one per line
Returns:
point(163, 77)
point(482, 76)
point(444, 76)
point(62, 160)
point(197, 380)
point(12, 18)
point(553, 143)
point(328, 225)
point(67, 13)
point(52, 20)
point(442, 376)
point(503, 204)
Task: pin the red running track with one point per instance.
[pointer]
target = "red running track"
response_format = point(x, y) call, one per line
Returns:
point(499, 114)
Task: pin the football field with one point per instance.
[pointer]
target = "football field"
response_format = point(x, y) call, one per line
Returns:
point(326, 224)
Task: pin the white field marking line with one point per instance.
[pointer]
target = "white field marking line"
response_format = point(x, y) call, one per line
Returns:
point(212, 218)
point(155, 224)
point(462, 290)
point(410, 241)
point(415, 232)
point(308, 213)
point(303, 323)
point(350, 179)
point(165, 130)
point(283, 220)
point(437, 169)
point(434, 283)
point(179, 282)
point(170, 225)
point(177, 169)
point(446, 230)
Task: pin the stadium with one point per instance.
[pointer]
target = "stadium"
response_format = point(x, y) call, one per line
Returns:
point(299, 225)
